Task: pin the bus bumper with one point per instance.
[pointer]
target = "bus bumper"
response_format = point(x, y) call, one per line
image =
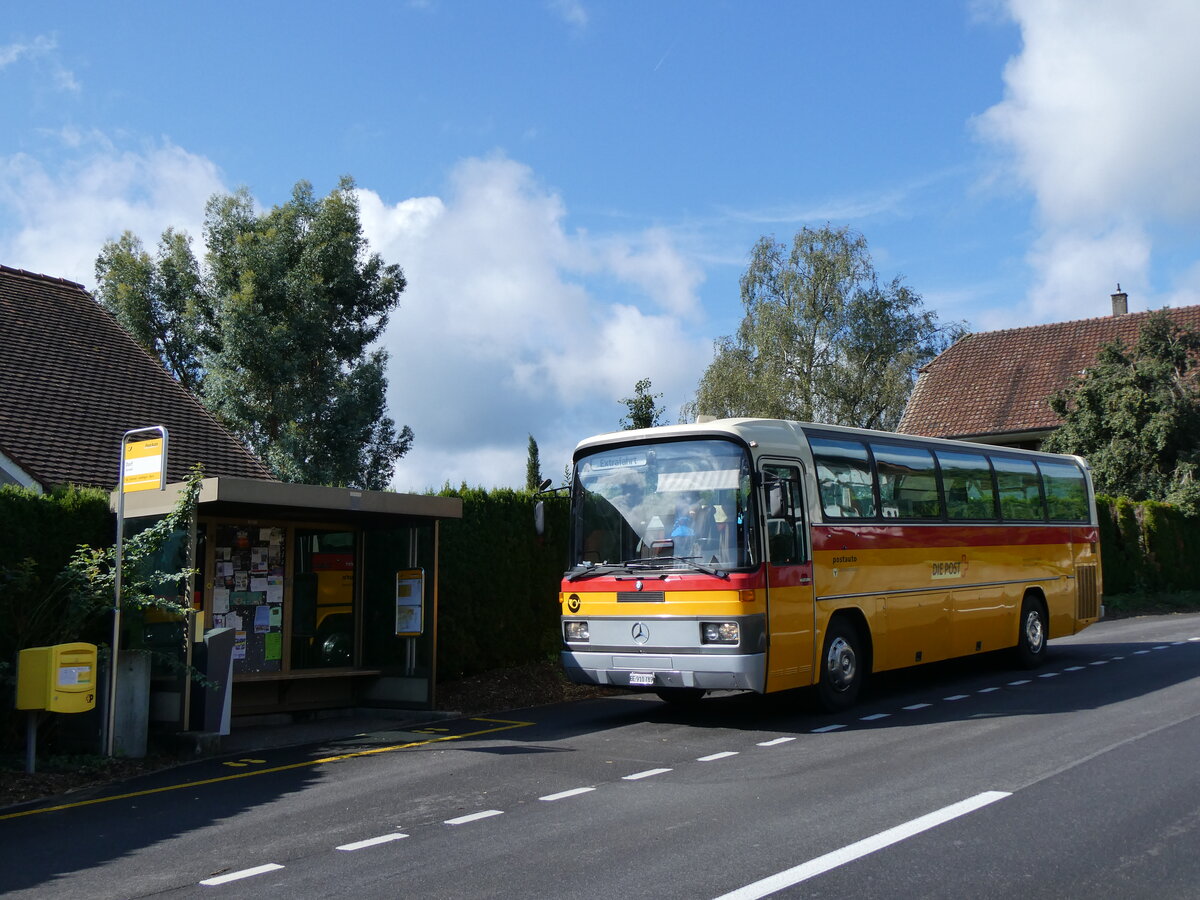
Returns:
point(710, 672)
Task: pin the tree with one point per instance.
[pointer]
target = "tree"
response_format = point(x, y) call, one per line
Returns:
point(1135, 416)
point(643, 413)
point(533, 467)
point(158, 300)
point(275, 334)
point(821, 339)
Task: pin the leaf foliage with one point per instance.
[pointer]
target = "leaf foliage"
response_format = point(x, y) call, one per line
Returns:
point(277, 333)
point(821, 338)
point(1135, 416)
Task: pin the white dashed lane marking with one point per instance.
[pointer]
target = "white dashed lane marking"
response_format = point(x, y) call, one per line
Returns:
point(244, 873)
point(475, 817)
point(372, 842)
point(563, 795)
point(713, 757)
point(649, 773)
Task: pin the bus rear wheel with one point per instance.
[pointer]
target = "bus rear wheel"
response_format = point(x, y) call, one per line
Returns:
point(1031, 639)
point(842, 661)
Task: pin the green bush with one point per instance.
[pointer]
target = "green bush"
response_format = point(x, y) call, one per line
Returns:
point(41, 532)
point(499, 580)
point(1147, 547)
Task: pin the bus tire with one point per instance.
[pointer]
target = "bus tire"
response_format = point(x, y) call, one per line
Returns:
point(842, 662)
point(1031, 634)
point(680, 696)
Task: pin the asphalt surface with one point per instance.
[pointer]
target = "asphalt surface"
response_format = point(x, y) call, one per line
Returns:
point(964, 779)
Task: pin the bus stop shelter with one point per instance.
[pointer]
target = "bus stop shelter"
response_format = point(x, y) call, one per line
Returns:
point(327, 596)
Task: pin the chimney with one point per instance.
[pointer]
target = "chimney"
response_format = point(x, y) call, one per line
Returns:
point(1120, 302)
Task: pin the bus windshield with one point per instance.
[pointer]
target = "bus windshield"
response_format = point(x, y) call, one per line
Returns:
point(681, 504)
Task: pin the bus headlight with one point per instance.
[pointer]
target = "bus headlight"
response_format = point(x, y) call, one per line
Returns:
point(576, 631)
point(719, 633)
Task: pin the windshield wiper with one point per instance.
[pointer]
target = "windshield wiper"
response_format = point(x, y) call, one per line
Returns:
point(663, 562)
point(591, 570)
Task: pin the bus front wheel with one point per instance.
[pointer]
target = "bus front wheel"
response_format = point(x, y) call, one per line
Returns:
point(842, 661)
point(1031, 640)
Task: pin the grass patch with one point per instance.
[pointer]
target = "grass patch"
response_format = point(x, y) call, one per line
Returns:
point(1122, 606)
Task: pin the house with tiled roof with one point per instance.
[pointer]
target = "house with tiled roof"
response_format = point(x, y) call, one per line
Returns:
point(73, 381)
point(993, 387)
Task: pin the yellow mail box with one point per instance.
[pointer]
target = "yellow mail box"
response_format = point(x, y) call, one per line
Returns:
point(61, 678)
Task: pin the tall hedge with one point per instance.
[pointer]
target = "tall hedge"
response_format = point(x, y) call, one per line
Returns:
point(38, 534)
point(1147, 547)
point(499, 580)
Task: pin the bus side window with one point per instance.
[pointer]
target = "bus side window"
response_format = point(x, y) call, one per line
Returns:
point(847, 482)
point(1066, 491)
point(785, 533)
point(967, 479)
point(1019, 486)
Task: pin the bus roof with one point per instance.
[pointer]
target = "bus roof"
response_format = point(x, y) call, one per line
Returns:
point(773, 437)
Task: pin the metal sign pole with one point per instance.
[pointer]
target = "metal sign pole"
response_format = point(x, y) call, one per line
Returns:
point(126, 481)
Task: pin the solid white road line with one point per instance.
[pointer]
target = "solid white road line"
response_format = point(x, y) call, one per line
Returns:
point(244, 873)
point(862, 848)
point(475, 817)
point(563, 795)
point(724, 754)
point(372, 842)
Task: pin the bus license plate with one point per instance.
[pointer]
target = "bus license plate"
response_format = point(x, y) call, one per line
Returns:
point(645, 678)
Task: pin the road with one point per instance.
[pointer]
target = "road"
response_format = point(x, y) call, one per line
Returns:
point(968, 779)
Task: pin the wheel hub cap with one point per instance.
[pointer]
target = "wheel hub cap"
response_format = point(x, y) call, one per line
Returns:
point(841, 664)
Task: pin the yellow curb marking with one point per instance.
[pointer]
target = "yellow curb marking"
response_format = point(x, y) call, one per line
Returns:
point(504, 725)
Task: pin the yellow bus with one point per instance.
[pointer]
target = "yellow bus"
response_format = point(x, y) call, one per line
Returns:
point(765, 555)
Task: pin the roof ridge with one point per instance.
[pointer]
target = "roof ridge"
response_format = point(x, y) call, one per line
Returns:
point(1108, 318)
point(38, 275)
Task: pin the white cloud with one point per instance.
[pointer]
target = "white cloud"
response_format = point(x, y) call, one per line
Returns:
point(62, 216)
point(510, 325)
point(1077, 272)
point(42, 51)
point(39, 47)
point(503, 332)
point(1102, 119)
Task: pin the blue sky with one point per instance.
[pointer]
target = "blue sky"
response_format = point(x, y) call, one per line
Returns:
point(573, 187)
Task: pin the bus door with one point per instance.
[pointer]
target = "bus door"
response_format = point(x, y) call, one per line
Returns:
point(790, 613)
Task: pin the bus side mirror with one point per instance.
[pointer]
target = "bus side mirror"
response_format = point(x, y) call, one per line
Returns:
point(775, 502)
point(539, 518)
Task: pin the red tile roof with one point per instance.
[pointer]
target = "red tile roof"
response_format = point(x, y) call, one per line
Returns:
point(72, 381)
point(997, 382)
